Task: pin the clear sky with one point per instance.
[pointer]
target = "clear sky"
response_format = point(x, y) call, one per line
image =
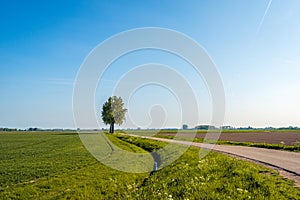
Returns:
point(255, 45)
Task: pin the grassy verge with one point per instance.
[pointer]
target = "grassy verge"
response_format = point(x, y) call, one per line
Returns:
point(295, 148)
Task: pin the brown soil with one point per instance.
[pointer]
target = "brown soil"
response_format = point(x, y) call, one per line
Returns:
point(283, 137)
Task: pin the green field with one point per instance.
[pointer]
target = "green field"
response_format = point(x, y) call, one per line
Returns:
point(57, 166)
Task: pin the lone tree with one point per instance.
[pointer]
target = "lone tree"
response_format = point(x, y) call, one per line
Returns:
point(113, 112)
point(185, 127)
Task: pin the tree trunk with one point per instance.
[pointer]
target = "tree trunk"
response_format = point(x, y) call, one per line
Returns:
point(112, 128)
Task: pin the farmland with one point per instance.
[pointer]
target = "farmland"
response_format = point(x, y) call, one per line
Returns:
point(57, 165)
point(275, 139)
point(271, 137)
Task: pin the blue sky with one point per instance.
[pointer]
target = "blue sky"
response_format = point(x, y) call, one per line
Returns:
point(256, 50)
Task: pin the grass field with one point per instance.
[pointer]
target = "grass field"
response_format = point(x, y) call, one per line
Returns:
point(57, 166)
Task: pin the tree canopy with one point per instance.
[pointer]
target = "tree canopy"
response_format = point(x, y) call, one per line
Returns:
point(113, 112)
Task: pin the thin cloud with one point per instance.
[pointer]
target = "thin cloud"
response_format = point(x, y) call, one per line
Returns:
point(290, 62)
point(264, 16)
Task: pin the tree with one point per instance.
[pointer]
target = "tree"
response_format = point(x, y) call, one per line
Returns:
point(113, 112)
point(185, 127)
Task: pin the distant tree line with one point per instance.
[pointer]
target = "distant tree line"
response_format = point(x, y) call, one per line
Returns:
point(8, 129)
point(33, 129)
point(289, 128)
point(205, 127)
